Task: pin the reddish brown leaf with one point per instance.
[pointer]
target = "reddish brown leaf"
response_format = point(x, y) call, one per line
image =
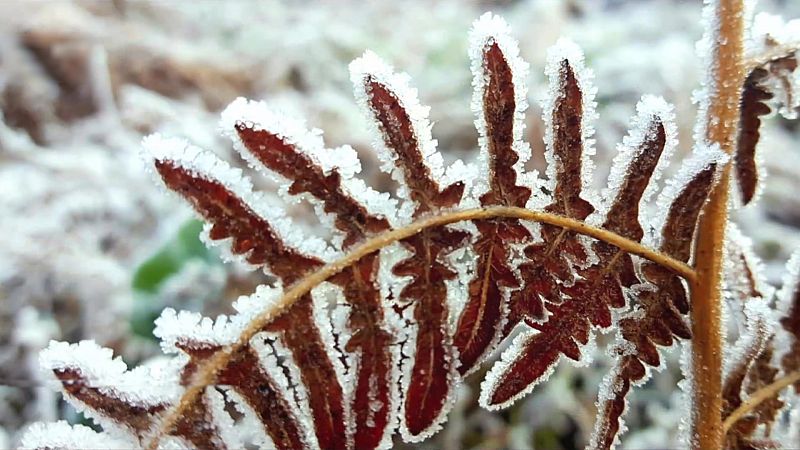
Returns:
point(231, 217)
point(302, 337)
point(479, 326)
point(138, 417)
point(431, 381)
point(548, 261)
point(753, 368)
point(745, 434)
point(733, 384)
point(677, 233)
point(568, 147)
point(763, 373)
point(790, 322)
point(267, 397)
point(612, 407)
point(430, 385)
point(377, 362)
point(276, 154)
point(199, 353)
point(548, 264)
point(657, 318)
point(399, 136)
point(371, 339)
point(598, 290)
point(205, 436)
point(499, 108)
point(93, 381)
point(752, 107)
point(623, 215)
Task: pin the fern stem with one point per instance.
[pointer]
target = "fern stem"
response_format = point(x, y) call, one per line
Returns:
point(726, 75)
point(758, 397)
point(207, 372)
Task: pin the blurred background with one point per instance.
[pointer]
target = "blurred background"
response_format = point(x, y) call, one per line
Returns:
point(91, 248)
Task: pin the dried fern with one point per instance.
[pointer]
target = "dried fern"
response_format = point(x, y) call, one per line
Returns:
point(372, 332)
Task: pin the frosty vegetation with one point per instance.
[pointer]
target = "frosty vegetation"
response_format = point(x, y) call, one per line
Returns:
point(367, 335)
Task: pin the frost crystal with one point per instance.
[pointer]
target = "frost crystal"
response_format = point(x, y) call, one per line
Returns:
point(63, 435)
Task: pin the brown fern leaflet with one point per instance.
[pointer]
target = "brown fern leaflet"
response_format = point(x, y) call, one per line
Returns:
point(431, 380)
point(753, 103)
point(752, 366)
point(549, 261)
point(790, 322)
point(138, 417)
point(479, 325)
point(657, 318)
point(371, 338)
point(590, 299)
point(231, 217)
point(261, 391)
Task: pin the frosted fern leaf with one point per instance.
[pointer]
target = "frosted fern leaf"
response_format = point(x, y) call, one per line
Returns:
point(772, 84)
point(788, 304)
point(388, 357)
point(749, 360)
point(765, 350)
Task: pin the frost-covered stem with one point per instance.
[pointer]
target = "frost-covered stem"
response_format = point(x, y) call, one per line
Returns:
point(725, 77)
point(206, 374)
point(759, 396)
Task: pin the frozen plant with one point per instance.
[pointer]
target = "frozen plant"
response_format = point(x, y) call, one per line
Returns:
point(370, 334)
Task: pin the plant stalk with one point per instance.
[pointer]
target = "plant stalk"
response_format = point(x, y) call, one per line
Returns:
point(726, 77)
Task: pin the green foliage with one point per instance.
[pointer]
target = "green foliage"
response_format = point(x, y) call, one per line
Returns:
point(184, 246)
point(151, 275)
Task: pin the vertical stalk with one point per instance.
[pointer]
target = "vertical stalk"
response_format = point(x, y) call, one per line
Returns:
point(725, 77)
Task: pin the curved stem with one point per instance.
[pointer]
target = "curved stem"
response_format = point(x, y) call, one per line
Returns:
point(206, 374)
point(758, 397)
point(725, 77)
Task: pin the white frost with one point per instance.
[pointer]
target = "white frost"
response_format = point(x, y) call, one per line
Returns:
point(215, 403)
point(758, 329)
point(145, 385)
point(110, 375)
point(769, 32)
point(63, 435)
point(172, 327)
point(785, 302)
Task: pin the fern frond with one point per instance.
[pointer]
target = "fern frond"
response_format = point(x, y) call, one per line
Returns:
point(371, 333)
